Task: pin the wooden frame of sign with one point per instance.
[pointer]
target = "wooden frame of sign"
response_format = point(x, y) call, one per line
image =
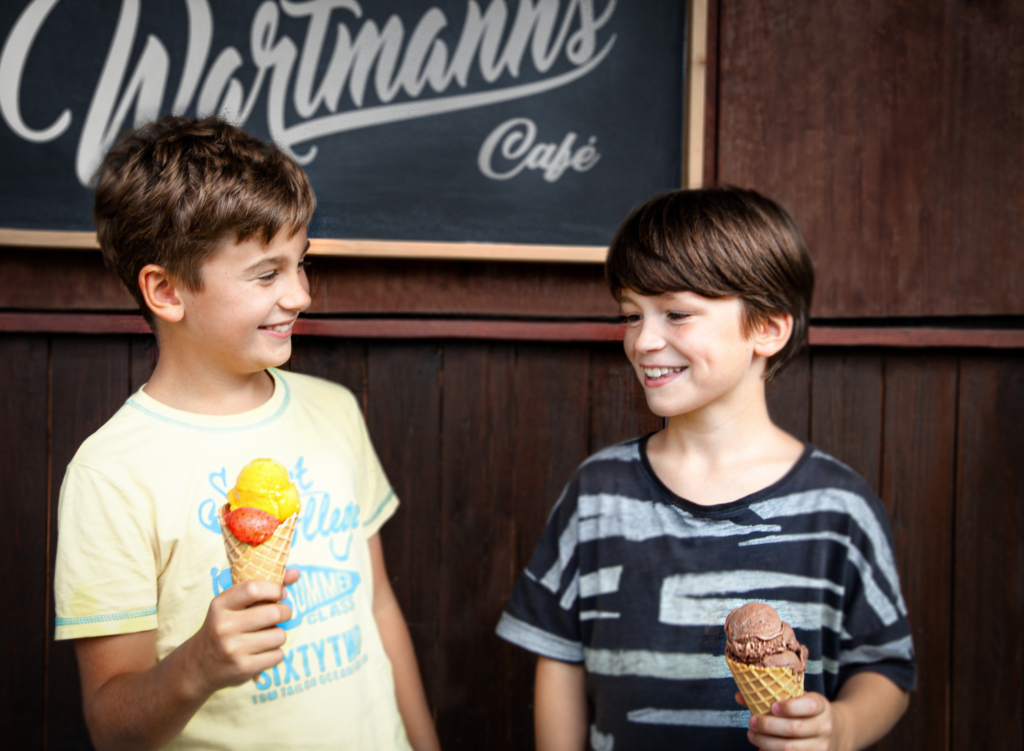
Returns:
point(691, 177)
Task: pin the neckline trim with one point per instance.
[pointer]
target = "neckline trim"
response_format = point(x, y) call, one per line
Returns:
point(721, 509)
point(266, 413)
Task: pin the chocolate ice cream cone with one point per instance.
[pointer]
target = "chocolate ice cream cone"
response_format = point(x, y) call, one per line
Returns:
point(762, 687)
point(266, 561)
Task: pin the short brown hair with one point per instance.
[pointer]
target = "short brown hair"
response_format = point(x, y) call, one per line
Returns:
point(718, 242)
point(169, 192)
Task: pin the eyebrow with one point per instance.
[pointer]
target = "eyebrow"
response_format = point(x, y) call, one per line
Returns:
point(274, 260)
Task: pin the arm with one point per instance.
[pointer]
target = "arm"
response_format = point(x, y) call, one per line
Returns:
point(867, 707)
point(560, 706)
point(412, 701)
point(132, 701)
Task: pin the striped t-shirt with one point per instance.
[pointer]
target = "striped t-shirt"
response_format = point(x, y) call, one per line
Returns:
point(636, 582)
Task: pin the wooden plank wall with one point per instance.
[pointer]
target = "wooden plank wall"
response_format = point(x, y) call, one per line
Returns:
point(478, 438)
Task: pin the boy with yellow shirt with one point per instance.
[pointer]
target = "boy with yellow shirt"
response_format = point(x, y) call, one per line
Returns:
point(206, 226)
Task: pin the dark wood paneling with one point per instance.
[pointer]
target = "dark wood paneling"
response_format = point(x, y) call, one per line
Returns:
point(530, 290)
point(143, 354)
point(24, 363)
point(404, 419)
point(618, 407)
point(515, 426)
point(918, 491)
point(474, 703)
point(343, 362)
point(890, 131)
point(787, 397)
point(90, 381)
point(988, 605)
point(846, 409)
point(59, 280)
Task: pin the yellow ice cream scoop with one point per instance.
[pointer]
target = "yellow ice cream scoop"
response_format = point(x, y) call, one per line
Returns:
point(263, 484)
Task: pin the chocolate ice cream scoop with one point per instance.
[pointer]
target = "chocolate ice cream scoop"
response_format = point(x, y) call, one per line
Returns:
point(756, 635)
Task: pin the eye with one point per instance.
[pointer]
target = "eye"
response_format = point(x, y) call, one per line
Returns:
point(630, 319)
point(305, 263)
point(677, 317)
point(267, 277)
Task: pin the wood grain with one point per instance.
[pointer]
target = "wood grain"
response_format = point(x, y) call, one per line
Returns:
point(846, 409)
point(90, 381)
point(474, 704)
point(618, 407)
point(23, 504)
point(987, 681)
point(339, 361)
point(788, 397)
point(918, 464)
point(887, 131)
point(404, 419)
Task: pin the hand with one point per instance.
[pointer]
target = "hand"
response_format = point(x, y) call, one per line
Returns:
point(240, 638)
point(807, 723)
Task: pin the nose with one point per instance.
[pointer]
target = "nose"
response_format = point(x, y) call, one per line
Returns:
point(296, 297)
point(649, 336)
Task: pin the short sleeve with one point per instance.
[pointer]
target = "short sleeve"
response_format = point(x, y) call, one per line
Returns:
point(105, 581)
point(542, 615)
point(377, 499)
point(876, 634)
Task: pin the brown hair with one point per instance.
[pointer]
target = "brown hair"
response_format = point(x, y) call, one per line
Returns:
point(168, 193)
point(718, 242)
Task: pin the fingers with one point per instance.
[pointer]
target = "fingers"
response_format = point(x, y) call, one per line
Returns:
point(245, 594)
point(808, 705)
point(795, 724)
point(291, 576)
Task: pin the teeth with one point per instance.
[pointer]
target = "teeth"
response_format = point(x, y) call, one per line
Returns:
point(283, 328)
point(659, 372)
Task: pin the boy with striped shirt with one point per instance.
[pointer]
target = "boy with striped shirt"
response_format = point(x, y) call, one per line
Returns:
point(654, 541)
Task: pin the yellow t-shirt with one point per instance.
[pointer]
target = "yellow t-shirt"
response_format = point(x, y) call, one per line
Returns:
point(140, 548)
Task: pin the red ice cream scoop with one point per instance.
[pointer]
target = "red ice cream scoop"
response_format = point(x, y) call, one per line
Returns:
point(252, 525)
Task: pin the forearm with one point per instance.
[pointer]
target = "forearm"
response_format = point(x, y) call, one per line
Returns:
point(145, 709)
point(412, 701)
point(560, 706)
point(866, 709)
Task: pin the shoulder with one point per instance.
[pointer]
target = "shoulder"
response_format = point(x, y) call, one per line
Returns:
point(117, 437)
point(829, 494)
point(306, 389)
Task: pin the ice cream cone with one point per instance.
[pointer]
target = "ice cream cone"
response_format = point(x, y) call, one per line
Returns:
point(266, 561)
point(762, 687)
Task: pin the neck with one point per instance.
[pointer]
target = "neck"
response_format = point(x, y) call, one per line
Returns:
point(183, 383)
point(730, 432)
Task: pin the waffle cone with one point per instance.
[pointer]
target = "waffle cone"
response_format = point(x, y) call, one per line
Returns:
point(266, 561)
point(762, 687)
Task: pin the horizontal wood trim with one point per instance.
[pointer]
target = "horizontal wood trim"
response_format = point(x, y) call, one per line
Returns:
point(24, 238)
point(540, 331)
point(837, 336)
point(458, 251)
point(48, 240)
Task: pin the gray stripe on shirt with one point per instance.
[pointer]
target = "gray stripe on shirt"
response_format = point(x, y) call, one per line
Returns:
point(698, 718)
point(843, 502)
point(876, 598)
point(603, 516)
point(537, 640)
point(901, 649)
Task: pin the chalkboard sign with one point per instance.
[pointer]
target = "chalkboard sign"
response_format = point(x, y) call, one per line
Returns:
point(421, 123)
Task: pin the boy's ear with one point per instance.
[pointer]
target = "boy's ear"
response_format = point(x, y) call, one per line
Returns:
point(771, 334)
point(160, 292)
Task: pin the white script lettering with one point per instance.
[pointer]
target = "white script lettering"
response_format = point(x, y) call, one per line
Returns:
point(494, 40)
point(514, 140)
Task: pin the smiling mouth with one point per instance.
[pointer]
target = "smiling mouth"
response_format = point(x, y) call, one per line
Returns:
point(282, 328)
point(655, 373)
